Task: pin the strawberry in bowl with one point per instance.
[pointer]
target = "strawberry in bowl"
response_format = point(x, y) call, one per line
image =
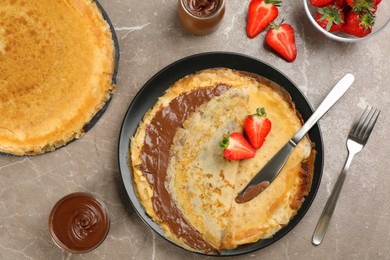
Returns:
point(330, 17)
point(348, 20)
point(357, 24)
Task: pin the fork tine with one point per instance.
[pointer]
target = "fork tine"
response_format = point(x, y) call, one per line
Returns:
point(366, 121)
point(359, 123)
point(370, 124)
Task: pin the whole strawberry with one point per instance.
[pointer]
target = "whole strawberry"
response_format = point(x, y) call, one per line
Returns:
point(257, 127)
point(357, 24)
point(362, 5)
point(374, 8)
point(281, 38)
point(341, 3)
point(260, 14)
point(330, 17)
point(236, 147)
point(320, 3)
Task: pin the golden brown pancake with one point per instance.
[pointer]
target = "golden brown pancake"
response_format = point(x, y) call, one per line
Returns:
point(180, 173)
point(56, 63)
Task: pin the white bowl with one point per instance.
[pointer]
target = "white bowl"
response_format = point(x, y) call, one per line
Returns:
point(381, 21)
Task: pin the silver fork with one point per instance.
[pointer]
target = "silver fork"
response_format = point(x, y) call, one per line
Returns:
point(357, 138)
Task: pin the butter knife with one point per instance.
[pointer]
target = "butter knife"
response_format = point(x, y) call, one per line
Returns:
point(269, 172)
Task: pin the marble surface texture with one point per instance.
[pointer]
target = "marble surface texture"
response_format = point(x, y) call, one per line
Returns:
point(150, 37)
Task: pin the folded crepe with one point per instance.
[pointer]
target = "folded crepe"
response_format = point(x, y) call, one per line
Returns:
point(185, 183)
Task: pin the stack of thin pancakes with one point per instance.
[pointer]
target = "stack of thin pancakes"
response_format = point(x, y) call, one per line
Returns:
point(185, 183)
point(56, 69)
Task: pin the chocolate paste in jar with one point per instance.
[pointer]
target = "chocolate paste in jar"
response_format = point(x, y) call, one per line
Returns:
point(78, 223)
point(201, 17)
point(202, 7)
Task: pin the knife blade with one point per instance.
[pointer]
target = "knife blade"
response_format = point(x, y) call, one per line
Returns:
point(271, 170)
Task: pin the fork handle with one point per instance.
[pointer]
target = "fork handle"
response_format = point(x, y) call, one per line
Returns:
point(323, 222)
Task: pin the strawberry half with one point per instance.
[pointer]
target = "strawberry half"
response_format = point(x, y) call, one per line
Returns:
point(257, 127)
point(281, 38)
point(260, 14)
point(236, 147)
point(330, 17)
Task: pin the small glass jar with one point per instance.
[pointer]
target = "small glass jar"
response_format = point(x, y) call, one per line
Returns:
point(79, 223)
point(201, 17)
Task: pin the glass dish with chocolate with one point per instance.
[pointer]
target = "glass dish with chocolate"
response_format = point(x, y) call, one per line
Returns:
point(201, 17)
point(79, 222)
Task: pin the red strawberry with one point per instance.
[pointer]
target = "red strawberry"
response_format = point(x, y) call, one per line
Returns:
point(320, 3)
point(341, 3)
point(375, 7)
point(330, 17)
point(260, 14)
point(281, 38)
point(357, 24)
point(236, 147)
point(362, 5)
point(257, 127)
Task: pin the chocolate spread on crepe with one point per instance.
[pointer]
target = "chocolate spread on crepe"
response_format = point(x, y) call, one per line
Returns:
point(155, 158)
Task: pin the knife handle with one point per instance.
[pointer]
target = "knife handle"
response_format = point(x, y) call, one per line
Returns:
point(275, 165)
point(333, 96)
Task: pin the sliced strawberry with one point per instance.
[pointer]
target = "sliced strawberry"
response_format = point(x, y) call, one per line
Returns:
point(330, 17)
point(357, 24)
point(260, 14)
point(281, 38)
point(236, 147)
point(320, 3)
point(257, 127)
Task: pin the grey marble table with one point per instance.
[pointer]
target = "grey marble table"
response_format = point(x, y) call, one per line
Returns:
point(150, 37)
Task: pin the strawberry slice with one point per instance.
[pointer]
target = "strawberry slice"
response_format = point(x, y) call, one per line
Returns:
point(257, 127)
point(260, 14)
point(236, 147)
point(281, 38)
